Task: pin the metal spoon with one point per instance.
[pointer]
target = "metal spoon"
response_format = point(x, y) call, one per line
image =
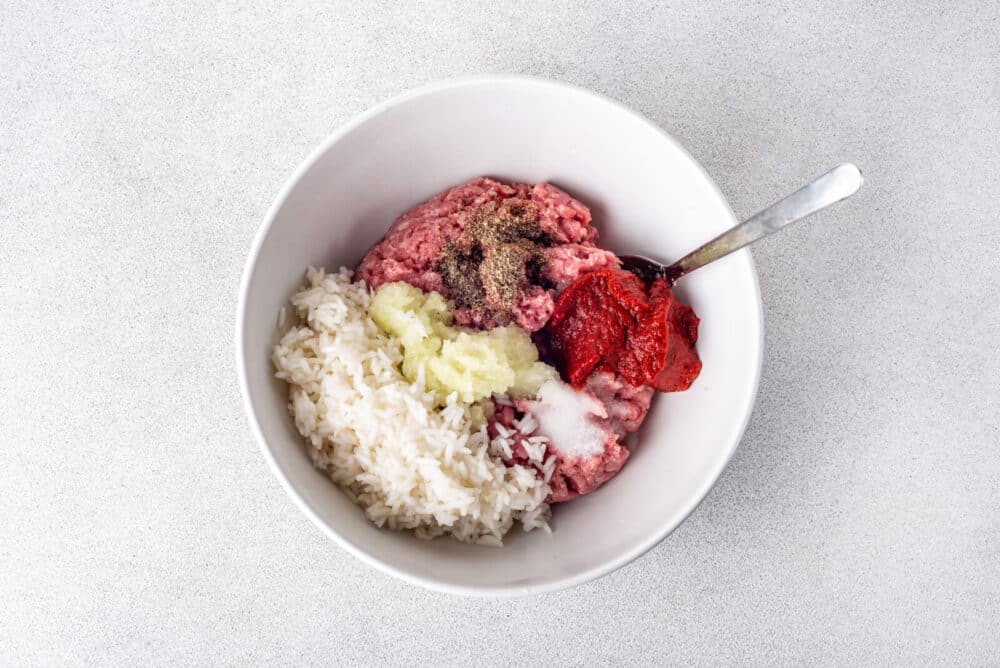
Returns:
point(837, 184)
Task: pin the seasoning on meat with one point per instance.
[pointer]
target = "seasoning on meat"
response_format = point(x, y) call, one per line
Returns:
point(497, 257)
point(537, 239)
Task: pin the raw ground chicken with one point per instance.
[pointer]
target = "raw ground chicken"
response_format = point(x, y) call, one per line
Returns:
point(412, 251)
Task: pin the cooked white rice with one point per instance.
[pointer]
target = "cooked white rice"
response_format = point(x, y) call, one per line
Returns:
point(408, 462)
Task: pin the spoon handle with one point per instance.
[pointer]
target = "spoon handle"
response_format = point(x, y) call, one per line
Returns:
point(839, 183)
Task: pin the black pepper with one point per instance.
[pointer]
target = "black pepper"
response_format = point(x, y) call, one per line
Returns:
point(498, 256)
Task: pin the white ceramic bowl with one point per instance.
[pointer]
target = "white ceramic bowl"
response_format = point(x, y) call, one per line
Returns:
point(647, 195)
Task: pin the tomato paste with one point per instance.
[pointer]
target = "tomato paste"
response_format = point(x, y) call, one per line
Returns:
point(609, 320)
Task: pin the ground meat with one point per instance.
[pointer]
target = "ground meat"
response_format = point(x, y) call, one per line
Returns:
point(581, 476)
point(626, 404)
point(532, 311)
point(566, 263)
point(626, 407)
point(412, 249)
point(571, 477)
point(563, 217)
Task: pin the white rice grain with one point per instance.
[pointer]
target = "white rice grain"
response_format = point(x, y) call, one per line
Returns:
point(411, 463)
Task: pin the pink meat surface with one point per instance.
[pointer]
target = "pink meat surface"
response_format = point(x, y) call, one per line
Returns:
point(574, 477)
point(411, 250)
point(626, 404)
point(563, 217)
point(568, 262)
point(626, 407)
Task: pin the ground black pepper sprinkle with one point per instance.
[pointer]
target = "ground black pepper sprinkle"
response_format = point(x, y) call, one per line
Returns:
point(496, 257)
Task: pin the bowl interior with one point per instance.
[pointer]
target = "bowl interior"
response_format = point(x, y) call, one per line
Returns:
point(647, 195)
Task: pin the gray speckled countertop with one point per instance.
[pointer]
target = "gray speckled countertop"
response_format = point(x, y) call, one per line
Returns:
point(859, 522)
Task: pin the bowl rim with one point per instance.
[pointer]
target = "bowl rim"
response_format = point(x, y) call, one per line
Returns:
point(509, 591)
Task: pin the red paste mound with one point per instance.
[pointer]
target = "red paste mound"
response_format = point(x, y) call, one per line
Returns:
point(608, 320)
